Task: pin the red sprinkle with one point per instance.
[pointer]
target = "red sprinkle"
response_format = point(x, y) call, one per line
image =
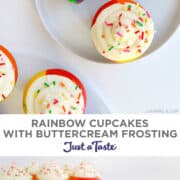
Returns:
point(55, 101)
point(108, 24)
point(120, 24)
point(139, 50)
point(137, 32)
point(142, 35)
point(3, 96)
point(120, 16)
point(141, 19)
point(2, 64)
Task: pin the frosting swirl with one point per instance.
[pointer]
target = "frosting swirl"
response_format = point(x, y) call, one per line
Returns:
point(86, 170)
point(122, 32)
point(7, 76)
point(52, 171)
point(13, 172)
point(54, 94)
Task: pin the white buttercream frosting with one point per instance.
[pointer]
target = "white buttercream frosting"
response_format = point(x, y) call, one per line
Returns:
point(13, 172)
point(86, 170)
point(54, 94)
point(51, 171)
point(7, 76)
point(123, 32)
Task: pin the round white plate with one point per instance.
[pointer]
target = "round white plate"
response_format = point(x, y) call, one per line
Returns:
point(69, 24)
point(29, 65)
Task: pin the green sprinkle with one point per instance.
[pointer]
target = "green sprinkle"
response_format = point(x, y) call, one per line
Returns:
point(76, 87)
point(38, 91)
point(54, 83)
point(110, 48)
point(50, 111)
point(46, 84)
point(73, 1)
point(74, 108)
point(129, 7)
point(144, 14)
point(139, 23)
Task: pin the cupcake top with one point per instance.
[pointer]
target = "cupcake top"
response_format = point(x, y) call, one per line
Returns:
point(33, 168)
point(14, 171)
point(8, 73)
point(67, 170)
point(85, 170)
point(52, 170)
point(55, 92)
point(122, 30)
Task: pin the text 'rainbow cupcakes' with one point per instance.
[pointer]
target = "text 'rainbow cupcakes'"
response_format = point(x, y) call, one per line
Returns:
point(8, 73)
point(54, 91)
point(122, 30)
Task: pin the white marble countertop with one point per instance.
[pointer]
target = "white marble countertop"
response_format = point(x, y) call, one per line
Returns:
point(142, 86)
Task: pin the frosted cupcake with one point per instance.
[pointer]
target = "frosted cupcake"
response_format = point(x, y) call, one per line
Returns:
point(122, 30)
point(8, 73)
point(51, 171)
point(33, 169)
point(14, 172)
point(54, 91)
point(85, 171)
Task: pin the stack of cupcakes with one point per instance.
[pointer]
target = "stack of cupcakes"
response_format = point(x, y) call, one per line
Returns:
point(50, 171)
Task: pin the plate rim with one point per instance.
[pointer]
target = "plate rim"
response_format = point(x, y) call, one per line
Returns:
point(51, 34)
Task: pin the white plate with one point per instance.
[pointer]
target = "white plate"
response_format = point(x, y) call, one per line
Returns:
point(69, 24)
point(29, 65)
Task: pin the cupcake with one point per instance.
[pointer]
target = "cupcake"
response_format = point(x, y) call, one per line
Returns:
point(33, 169)
point(85, 171)
point(14, 172)
point(8, 73)
point(122, 30)
point(54, 91)
point(51, 171)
